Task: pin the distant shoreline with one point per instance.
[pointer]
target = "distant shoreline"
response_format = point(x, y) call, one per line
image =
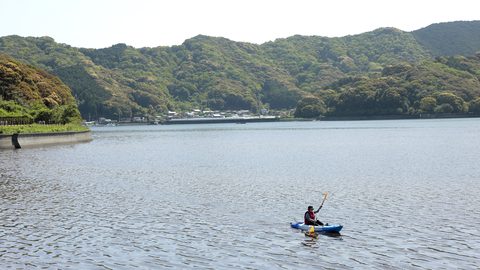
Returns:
point(183, 121)
point(324, 118)
point(208, 120)
point(398, 117)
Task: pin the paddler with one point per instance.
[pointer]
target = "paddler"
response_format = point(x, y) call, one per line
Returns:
point(310, 218)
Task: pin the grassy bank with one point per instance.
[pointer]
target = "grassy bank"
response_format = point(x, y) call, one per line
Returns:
point(37, 128)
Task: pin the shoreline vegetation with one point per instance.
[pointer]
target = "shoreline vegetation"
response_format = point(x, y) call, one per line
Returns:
point(40, 128)
point(33, 101)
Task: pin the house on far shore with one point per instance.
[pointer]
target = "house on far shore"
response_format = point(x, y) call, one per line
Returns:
point(104, 121)
point(138, 119)
point(172, 114)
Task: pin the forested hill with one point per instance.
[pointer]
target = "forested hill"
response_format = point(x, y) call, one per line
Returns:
point(217, 73)
point(32, 94)
point(315, 62)
point(448, 39)
point(446, 85)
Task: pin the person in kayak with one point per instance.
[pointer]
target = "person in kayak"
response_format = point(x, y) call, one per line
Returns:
point(310, 218)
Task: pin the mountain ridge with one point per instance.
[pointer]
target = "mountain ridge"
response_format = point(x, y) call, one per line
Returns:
point(216, 72)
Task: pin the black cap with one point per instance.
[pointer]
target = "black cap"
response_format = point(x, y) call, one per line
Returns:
point(310, 207)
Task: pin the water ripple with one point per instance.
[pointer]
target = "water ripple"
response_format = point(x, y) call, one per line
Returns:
point(175, 198)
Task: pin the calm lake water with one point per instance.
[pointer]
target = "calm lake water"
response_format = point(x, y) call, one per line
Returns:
point(222, 196)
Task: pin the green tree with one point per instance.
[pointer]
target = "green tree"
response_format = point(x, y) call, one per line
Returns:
point(9, 79)
point(355, 101)
point(44, 114)
point(457, 103)
point(278, 95)
point(310, 107)
point(444, 108)
point(182, 90)
point(475, 106)
point(390, 101)
point(428, 104)
point(66, 114)
point(329, 97)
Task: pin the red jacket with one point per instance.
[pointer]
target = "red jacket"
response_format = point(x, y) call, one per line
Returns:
point(311, 215)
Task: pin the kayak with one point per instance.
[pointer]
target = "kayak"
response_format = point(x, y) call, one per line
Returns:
point(326, 228)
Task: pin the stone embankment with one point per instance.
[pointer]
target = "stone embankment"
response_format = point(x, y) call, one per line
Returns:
point(42, 139)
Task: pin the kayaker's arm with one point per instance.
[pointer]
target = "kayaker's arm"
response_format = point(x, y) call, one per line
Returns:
point(325, 194)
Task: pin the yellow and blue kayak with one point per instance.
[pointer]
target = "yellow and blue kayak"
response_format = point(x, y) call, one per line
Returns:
point(326, 228)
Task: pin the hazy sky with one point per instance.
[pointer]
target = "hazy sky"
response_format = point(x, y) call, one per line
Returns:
point(150, 23)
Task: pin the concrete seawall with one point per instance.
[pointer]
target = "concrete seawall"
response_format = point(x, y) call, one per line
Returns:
point(6, 142)
point(41, 139)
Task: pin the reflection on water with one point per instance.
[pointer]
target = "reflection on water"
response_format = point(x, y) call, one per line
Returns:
point(311, 239)
point(222, 196)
